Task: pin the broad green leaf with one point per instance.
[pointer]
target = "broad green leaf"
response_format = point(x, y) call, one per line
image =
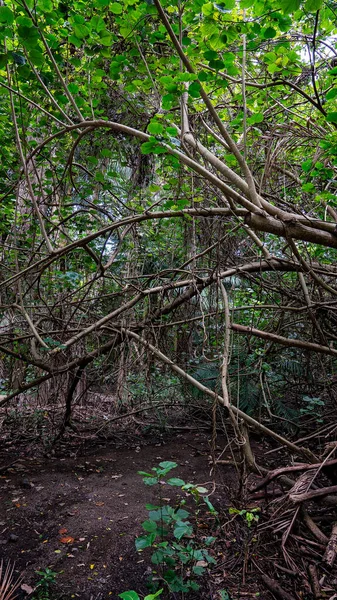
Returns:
point(308, 187)
point(182, 529)
point(194, 89)
point(147, 148)
point(46, 5)
point(106, 153)
point(116, 8)
point(313, 5)
point(307, 165)
point(331, 94)
point(73, 88)
point(145, 541)
point(131, 595)
point(106, 38)
point(207, 9)
point(332, 117)
point(6, 15)
point(198, 570)
point(269, 33)
point(168, 465)
point(97, 23)
point(210, 55)
point(3, 60)
point(155, 128)
point(36, 56)
point(149, 526)
point(180, 514)
point(154, 596)
point(290, 6)
point(224, 595)
point(81, 31)
point(175, 481)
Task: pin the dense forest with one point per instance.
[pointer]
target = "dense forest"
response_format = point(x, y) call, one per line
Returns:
point(168, 234)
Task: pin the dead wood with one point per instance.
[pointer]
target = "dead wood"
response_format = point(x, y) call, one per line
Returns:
point(313, 527)
point(331, 549)
point(315, 586)
point(301, 467)
point(320, 493)
point(275, 588)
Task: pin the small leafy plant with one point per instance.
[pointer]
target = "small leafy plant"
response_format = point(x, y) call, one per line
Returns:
point(170, 533)
point(131, 595)
point(47, 578)
point(249, 515)
point(313, 407)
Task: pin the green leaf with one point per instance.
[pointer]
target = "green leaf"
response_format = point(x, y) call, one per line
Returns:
point(168, 465)
point(6, 15)
point(194, 89)
point(81, 31)
point(224, 595)
point(168, 83)
point(46, 5)
point(207, 9)
point(106, 153)
point(225, 6)
point(116, 8)
point(145, 541)
point(3, 60)
point(332, 117)
point(155, 128)
point(105, 38)
point(256, 118)
point(36, 56)
point(308, 187)
point(290, 6)
point(273, 68)
point(307, 165)
point(210, 55)
point(147, 147)
point(149, 526)
point(154, 596)
point(269, 33)
point(182, 529)
point(97, 23)
point(131, 595)
point(28, 34)
point(150, 480)
point(331, 94)
point(313, 5)
point(210, 505)
point(176, 481)
point(181, 513)
point(198, 570)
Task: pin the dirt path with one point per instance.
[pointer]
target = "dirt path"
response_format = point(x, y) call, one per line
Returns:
point(97, 500)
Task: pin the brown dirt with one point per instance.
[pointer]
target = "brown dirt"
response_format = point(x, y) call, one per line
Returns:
point(100, 501)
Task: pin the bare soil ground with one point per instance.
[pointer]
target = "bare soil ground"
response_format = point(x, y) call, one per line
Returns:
point(97, 500)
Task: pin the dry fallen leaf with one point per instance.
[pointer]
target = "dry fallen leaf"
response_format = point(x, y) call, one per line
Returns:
point(67, 539)
point(26, 588)
point(99, 503)
point(63, 530)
